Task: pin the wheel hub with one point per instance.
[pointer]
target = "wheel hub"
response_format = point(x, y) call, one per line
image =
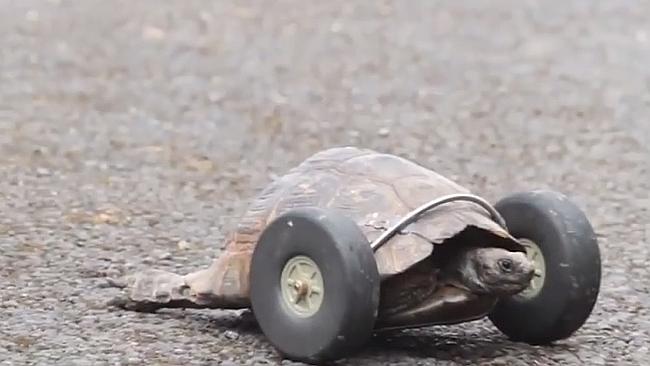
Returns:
point(302, 286)
point(534, 254)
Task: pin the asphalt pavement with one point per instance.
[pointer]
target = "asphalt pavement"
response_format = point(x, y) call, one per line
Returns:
point(132, 135)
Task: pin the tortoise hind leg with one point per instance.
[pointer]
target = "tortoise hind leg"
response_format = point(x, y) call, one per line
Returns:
point(220, 286)
point(153, 289)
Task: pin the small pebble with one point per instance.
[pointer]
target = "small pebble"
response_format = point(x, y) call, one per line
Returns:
point(43, 172)
point(229, 334)
point(184, 245)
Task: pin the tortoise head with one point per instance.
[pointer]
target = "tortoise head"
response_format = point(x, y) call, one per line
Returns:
point(495, 271)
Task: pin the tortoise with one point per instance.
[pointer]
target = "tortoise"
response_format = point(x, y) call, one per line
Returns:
point(353, 242)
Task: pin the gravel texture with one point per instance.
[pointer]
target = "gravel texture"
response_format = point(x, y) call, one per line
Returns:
point(132, 134)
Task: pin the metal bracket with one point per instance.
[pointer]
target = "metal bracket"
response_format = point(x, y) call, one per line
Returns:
point(415, 214)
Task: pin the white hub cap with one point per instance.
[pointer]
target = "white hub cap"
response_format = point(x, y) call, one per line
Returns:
point(302, 286)
point(535, 255)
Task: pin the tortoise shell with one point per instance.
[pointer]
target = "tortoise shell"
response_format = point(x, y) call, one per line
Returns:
point(373, 189)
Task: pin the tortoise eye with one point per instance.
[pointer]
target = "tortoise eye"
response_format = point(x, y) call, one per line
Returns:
point(505, 265)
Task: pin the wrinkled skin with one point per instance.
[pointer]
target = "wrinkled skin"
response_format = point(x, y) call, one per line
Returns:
point(489, 271)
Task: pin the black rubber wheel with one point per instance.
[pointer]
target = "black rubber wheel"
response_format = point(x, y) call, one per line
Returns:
point(345, 319)
point(570, 286)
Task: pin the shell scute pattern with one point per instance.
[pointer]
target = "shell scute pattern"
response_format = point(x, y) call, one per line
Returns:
point(373, 189)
